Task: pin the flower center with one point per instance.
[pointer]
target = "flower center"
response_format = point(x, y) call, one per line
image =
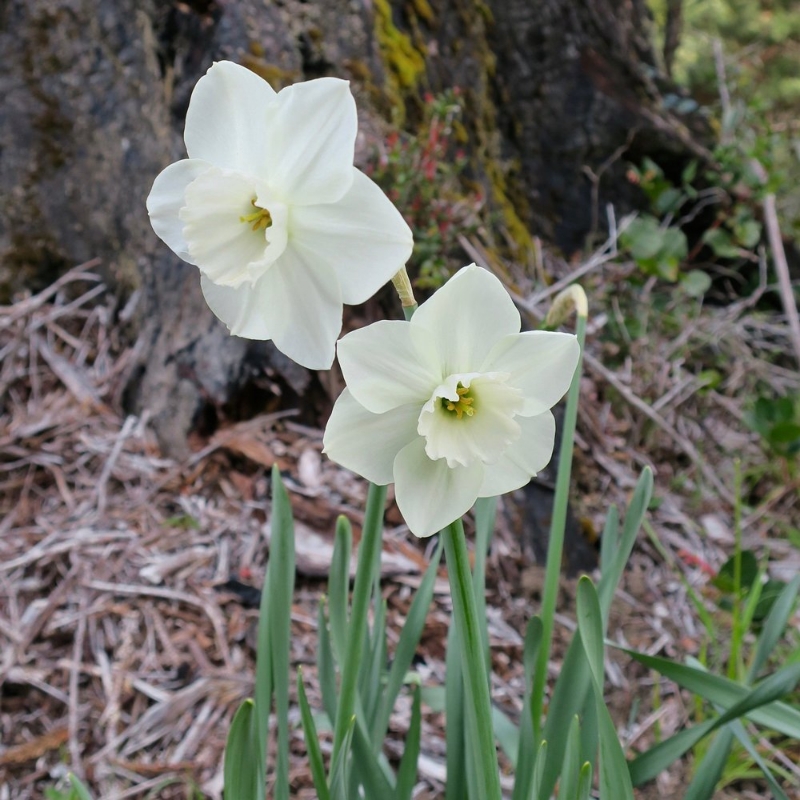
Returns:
point(260, 219)
point(452, 427)
point(464, 404)
point(230, 234)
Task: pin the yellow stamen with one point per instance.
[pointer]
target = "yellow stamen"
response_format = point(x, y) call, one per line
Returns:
point(261, 218)
point(464, 404)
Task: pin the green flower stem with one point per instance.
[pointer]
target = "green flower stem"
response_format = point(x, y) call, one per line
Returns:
point(408, 312)
point(476, 681)
point(555, 546)
point(368, 551)
point(738, 627)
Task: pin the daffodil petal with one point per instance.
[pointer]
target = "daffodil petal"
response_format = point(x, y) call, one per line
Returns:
point(295, 304)
point(529, 454)
point(362, 237)
point(368, 443)
point(310, 142)
point(540, 363)
point(226, 123)
point(240, 309)
point(166, 199)
point(466, 317)
point(431, 495)
point(388, 364)
point(304, 308)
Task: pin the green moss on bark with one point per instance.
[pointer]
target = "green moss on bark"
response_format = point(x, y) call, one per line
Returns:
point(404, 61)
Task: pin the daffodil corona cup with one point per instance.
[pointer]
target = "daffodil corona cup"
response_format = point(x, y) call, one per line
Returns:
point(452, 405)
point(269, 207)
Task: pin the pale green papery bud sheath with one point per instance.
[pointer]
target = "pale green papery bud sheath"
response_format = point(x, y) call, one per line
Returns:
point(405, 291)
point(573, 298)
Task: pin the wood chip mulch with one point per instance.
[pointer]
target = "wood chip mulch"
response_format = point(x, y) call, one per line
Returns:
point(128, 580)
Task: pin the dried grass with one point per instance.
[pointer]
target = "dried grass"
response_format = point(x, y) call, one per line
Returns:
point(124, 655)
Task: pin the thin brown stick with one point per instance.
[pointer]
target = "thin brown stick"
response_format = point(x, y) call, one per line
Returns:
point(607, 252)
point(782, 270)
point(75, 750)
point(25, 307)
point(108, 467)
point(688, 448)
point(779, 257)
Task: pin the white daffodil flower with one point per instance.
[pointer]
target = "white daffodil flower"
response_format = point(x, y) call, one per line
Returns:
point(453, 405)
point(270, 208)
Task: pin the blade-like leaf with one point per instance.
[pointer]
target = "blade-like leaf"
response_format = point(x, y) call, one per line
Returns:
point(612, 572)
point(326, 669)
point(609, 539)
point(571, 771)
point(573, 683)
point(479, 735)
point(407, 772)
point(454, 714)
point(263, 680)
point(590, 624)
point(558, 523)
point(615, 782)
point(753, 600)
point(435, 697)
point(713, 764)
point(585, 782)
point(485, 513)
point(372, 676)
point(367, 767)
point(536, 778)
point(523, 760)
point(339, 587)
point(741, 734)
point(723, 692)
point(407, 645)
point(244, 764)
point(657, 758)
point(312, 742)
point(590, 730)
point(506, 733)
point(647, 765)
point(568, 698)
point(533, 640)
point(281, 596)
point(339, 768)
point(709, 770)
point(369, 553)
point(79, 790)
point(774, 626)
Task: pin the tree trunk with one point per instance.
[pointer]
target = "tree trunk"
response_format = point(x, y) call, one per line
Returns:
point(558, 94)
point(582, 96)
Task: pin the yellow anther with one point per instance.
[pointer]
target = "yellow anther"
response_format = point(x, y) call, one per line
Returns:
point(461, 406)
point(261, 218)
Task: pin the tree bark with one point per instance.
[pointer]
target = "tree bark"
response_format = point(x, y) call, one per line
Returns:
point(95, 94)
point(583, 96)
